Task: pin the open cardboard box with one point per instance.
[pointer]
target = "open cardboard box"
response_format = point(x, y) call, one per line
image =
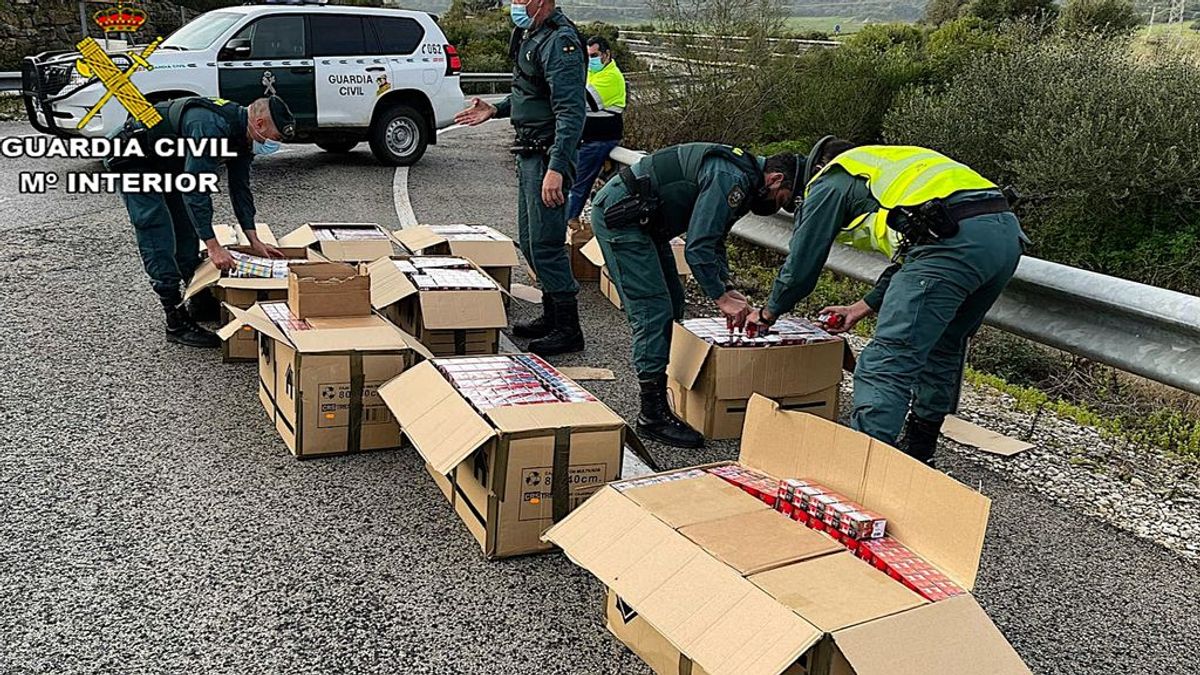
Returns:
point(328, 289)
point(581, 268)
point(234, 235)
point(369, 242)
point(595, 255)
point(448, 322)
point(705, 577)
point(512, 472)
point(711, 385)
point(242, 293)
point(319, 378)
point(485, 246)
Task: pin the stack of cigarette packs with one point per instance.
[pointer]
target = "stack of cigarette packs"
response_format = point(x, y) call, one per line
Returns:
point(444, 274)
point(348, 233)
point(863, 532)
point(281, 315)
point(468, 233)
point(656, 479)
point(516, 379)
point(901, 564)
point(757, 484)
point(788, 331)
point(255, 267)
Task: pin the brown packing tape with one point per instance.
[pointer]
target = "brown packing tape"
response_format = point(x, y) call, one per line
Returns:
point(560, 490)
point(357, 382)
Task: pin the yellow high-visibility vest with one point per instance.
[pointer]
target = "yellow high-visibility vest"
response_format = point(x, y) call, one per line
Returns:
point(898, 175)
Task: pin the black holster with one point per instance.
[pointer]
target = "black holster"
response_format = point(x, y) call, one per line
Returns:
point(638, 209)
point(132, 133)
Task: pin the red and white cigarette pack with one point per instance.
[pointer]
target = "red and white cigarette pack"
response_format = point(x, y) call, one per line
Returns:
point(910, 569)
point(817, 506)
point(862, 524)
point(803, 498)
point(785, 501)
point(755, 483)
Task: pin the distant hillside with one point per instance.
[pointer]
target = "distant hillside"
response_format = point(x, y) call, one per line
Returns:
point(632, 11)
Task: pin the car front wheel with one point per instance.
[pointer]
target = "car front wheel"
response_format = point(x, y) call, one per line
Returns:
point(399, 136)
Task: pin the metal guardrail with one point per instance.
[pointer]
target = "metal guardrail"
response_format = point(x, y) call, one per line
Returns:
point(1140, 329)
point(10, 81)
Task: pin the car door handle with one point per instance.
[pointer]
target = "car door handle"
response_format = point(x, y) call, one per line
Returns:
point(302, 71)
point(376, 69)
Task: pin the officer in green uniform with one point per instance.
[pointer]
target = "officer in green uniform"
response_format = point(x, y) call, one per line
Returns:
point(955, 244)
point(170, 225)
point(700, 189)
point(547, 106)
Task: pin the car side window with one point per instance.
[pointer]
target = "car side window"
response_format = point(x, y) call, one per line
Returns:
point(275, 37)
point(397, 35)
point(338, 36)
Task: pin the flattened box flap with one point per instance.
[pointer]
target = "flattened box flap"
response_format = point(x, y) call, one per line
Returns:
point(702, 606)
point(758, 541)
point(487, 253)
point(686, 502)
point(941, 519)
point(301, 236)
point(254, 318)
point(593, 252)
point(443, 427)
point(417, 239)
point(365, 339)
point(234, 235)
point(461, 310)
point(580, 415)
point(837, 591)
point(951, 636)
point(388, 284)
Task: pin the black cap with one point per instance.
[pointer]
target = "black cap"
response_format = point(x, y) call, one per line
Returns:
point(281, 115)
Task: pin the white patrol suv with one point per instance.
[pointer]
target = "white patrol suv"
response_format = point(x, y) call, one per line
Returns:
point(349, 74)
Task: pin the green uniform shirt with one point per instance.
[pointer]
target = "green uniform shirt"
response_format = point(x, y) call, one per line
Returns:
point(550, 78)
point(832, 201)
point(723, 199)
point(200, 122)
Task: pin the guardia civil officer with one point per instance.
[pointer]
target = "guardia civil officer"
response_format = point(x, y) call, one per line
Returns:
point(955, 244)
point(547, 109)
point(170, 225)
point(700, 189)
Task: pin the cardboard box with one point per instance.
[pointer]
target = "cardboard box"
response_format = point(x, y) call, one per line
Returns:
point(450, 322)
point(592, 252)
point(699, 587)
point(328, 289)
point(512, 471)
point(485, 246)
point(234, 235)
point(343, 242)
point(242, 292)
point(711, 385)
point(319, 378)
point(582, 268)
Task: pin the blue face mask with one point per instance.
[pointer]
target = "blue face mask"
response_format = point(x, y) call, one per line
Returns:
point(267, 147)
point(520, 17)
point(595, 64)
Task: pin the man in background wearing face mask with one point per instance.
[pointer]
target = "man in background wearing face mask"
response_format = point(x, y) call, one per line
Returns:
point(700, 189)
point(547, 110)
point(170, 225)
point(605, 122)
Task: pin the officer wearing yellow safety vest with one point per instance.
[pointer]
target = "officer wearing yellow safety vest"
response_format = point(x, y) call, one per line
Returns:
point(604, 126)
point(955, 244)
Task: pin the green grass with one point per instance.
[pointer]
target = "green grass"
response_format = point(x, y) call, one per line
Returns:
point(1163, 38)
point(824, 24)
point(11, 109)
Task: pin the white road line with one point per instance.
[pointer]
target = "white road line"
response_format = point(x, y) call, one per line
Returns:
point(404, 209)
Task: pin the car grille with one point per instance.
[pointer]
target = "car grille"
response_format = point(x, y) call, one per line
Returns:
point(45, 80)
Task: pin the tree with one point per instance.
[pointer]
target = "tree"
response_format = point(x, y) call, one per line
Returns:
point(938, 12)
point(997, 11)
point(1102, 16)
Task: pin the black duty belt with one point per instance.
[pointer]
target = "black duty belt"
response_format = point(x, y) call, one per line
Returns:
point(979, 207)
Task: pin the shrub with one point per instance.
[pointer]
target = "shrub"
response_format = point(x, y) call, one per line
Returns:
point(1000, 11)
point(1106, 146)
point(1102, 16)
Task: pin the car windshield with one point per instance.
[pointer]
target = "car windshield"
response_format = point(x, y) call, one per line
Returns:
point(202, 32)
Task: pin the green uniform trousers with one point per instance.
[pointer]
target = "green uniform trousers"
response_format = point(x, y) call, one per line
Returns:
point(934, 304)
point(647, 280)
point(542, 231)
point(169, 245)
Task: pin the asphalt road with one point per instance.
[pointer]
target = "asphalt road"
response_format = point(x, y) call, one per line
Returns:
point(153, 521)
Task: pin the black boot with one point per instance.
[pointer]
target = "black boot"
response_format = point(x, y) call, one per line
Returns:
point(920, 438)
point(658, 422)
point(566, 335)
point(182, 329)
point(203, 306)
point(541, 326)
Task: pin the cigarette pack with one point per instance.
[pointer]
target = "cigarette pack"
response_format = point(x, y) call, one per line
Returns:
point(803, 498)
point(646, 481)
point(518, 379)
point(901, 564)
point(817, 506)
point(753, 482)
point(784, 332)
point(862, 524)
point(785, 500)
point(834, 513)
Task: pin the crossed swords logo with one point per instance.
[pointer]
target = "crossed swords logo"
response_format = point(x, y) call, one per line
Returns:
point(116, 82)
